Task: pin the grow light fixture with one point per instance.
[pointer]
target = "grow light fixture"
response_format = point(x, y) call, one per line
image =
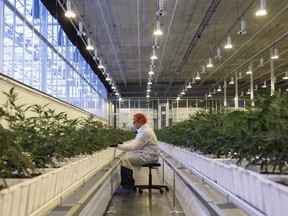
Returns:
point(189, 85)
point(229, 43)
point(160, 11)
point(158, 31)
point(108, 78)
point(69, 12)
point(243, 28)
point(95, 56)
point(262, 10)
point(151, 72)
point(147, 96)
point(242, 94)
point(203, 70)
point(248, 92)
point(149, 82)
point(249, 70)
point(286, 76)
point(209, 65)
point(100, 65)
point(178, 97)
point(219, 88)
point(209, 94)
point(193, 80)
point(154, 55)
point(231, 81)
point(198, 76)
point(264, 85)
point(81, 32)
point(218, 53)
point(275, 54)
point(261, 62)
point(89, 44)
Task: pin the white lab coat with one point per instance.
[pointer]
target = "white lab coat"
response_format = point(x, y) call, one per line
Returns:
point(142, 150)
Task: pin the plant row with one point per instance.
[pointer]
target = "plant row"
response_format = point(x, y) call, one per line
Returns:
point(38, 141)
point(257, 135)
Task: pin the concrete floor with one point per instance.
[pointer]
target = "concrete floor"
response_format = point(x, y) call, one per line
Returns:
point(151, 203)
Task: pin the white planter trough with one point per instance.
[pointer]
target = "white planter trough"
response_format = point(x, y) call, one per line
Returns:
point(31, 197)
point(260, 191)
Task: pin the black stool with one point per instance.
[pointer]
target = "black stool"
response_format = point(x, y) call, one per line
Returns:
point(150, 186)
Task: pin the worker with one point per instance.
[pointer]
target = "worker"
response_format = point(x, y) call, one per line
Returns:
point(142, 150)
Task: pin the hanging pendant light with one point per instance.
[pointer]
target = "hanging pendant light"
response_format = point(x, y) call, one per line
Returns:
point(249, 70)
point(209, 65)
point(219, 88)
point(275, 54)
point(189, 85)
point(89, 44)
point(69, 12)
point(158, 30)
point(264, 85)
point(231, 81)
point(229, 43)
point(262, 10)
point(100, 65)
point(218, 53)
point(198, 76)
point(286, 76)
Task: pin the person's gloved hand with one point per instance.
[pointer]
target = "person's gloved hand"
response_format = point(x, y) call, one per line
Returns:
point(113, 145)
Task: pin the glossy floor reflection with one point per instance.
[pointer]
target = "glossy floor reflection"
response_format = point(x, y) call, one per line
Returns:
point(149, 203)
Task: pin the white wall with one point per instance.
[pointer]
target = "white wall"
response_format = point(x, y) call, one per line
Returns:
point(29, 96)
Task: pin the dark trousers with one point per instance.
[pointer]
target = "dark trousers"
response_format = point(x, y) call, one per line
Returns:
point(127, 180)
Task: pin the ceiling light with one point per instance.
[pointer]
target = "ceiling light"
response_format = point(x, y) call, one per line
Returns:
point(151, 72)
point(149, 82)
point(148, 90)
point(203, 70)
point(116, 93)
point(178, 97)
point(81, 32)
point(275, 54)
point(193, 80)
point(189, 85)
point(218, 53)
point(198, 76)
point(209, 94)
point(248, 92)
point(286, 76)
point(113, 87)
point(261, 62)
point(154, 54)
point(256, 87)
point(214, 91)
point(100, 65)
point(108, 78)
point(158, 31)
point(95, 56)
point(147, 96)
point(160, 11)
point(120, 98)
point(155, 44)
point(249, 70)
point(89, 44)
point(231, 81)
point(264, 85)
point(262, 10)
point(209, 63)
point(242, 94)
point(69, 12)
point(240, 75)
point(219, 88)
point(229, 44)
point(183, 92)
point(243, 28)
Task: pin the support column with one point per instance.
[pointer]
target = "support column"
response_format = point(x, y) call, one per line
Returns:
point(252, 86)
point(236, 100)
point(225, 93)
point(272, 76)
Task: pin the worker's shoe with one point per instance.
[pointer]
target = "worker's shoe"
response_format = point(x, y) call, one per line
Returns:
point(123, 191)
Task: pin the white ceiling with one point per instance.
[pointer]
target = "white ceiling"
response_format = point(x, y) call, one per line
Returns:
point(192, 30)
